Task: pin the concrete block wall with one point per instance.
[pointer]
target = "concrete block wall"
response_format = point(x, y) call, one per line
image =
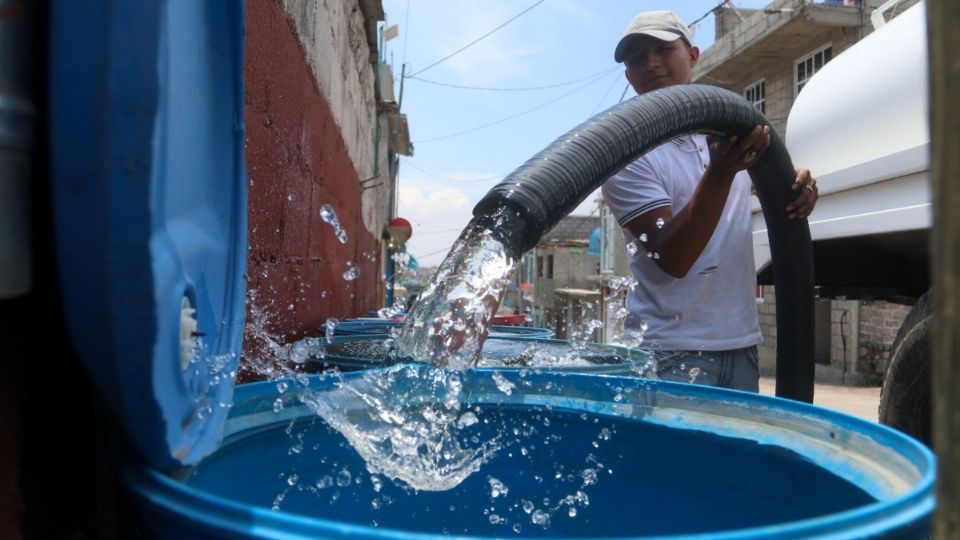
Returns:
point(844, 337)
point(879, 322)
point(861, 335)
point(302, 153)
point(767, 351)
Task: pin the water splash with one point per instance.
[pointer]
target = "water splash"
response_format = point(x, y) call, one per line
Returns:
point(397, 308)
point(329, 215)
point(403, 427)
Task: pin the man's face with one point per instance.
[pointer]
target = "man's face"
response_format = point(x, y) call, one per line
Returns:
point(652, 64)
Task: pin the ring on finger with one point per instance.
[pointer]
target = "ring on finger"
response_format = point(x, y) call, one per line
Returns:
point(748, 155)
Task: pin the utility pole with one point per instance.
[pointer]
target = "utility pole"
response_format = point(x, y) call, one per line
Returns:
point(943, 23)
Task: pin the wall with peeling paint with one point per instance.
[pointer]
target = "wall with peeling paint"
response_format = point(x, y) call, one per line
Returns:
point(311, 118)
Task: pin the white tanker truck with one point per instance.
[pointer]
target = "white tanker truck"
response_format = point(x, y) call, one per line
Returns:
point(861, 126)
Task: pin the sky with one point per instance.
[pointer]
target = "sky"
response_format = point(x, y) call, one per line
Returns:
point(467, 139)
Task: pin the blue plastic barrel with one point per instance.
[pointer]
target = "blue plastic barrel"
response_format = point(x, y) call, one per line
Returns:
point(359, 327)
point(349, 353)
point(601, 456)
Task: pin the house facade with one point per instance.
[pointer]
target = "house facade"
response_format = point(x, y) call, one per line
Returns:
point(562, 261)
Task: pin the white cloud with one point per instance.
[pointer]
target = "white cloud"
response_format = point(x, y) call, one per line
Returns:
point(437, 215)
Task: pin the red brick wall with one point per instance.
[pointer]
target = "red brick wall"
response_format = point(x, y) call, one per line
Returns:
point(296, 162)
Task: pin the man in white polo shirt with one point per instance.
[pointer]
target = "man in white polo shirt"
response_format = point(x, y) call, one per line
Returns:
point(685, 206)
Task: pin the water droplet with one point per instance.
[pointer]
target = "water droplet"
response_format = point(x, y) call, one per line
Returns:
point(589, 476)
point(694, 373)
point(277, 405)
point(290, 197)
point(329, 215)
point(293, 479)
point(344, 478)
point(282, 387)
point(330, 326)
point(467, 419)
point(517, 528)
point(376, 482)
point(352, 272)
point(643, 237)
point(631, 249)
point(541, 518)
point(527, 506)
point(660, 223)
point(656, 255)
point(503, 384)
point(497, 488)
point(572, 512)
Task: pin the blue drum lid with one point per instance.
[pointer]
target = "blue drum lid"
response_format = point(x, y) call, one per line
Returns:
point(149, 188)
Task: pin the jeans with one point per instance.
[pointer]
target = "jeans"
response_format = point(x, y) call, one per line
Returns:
point(738, 369)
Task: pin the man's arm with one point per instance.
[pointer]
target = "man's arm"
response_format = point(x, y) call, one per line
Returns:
point(676, 240)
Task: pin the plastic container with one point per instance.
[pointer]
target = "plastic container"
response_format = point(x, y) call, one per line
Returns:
point(349, 353)
point(631, 458)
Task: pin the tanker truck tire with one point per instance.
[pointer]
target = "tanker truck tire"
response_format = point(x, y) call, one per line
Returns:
point(905, 395)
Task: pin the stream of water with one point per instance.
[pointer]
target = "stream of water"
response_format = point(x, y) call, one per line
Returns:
point(446, 327)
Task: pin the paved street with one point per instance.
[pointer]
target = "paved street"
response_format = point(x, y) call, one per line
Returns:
point(853, 400)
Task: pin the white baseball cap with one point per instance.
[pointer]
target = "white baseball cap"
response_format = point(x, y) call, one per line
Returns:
point(662, 25)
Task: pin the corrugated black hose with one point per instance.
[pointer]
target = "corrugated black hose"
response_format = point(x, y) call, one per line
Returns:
point(532, 199)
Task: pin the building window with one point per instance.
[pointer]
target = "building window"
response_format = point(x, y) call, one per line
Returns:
point(528, 267)
point(549, 266)
point(756, 94)
point(810, 64)
point(539, 265)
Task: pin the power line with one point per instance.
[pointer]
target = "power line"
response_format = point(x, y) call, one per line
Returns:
point(432, 253)
point(438, 177)
point(421, 233)
point(461, 49)
point(605, 94)
point(518, 89)
point(511, 117)
point(707, 14)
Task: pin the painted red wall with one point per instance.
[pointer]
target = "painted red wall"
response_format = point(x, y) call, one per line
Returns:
point(296, 162)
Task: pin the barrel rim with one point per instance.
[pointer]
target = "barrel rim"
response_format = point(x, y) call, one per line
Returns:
point(906, 510)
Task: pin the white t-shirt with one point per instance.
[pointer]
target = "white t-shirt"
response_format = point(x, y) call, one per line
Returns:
point(712, 308)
